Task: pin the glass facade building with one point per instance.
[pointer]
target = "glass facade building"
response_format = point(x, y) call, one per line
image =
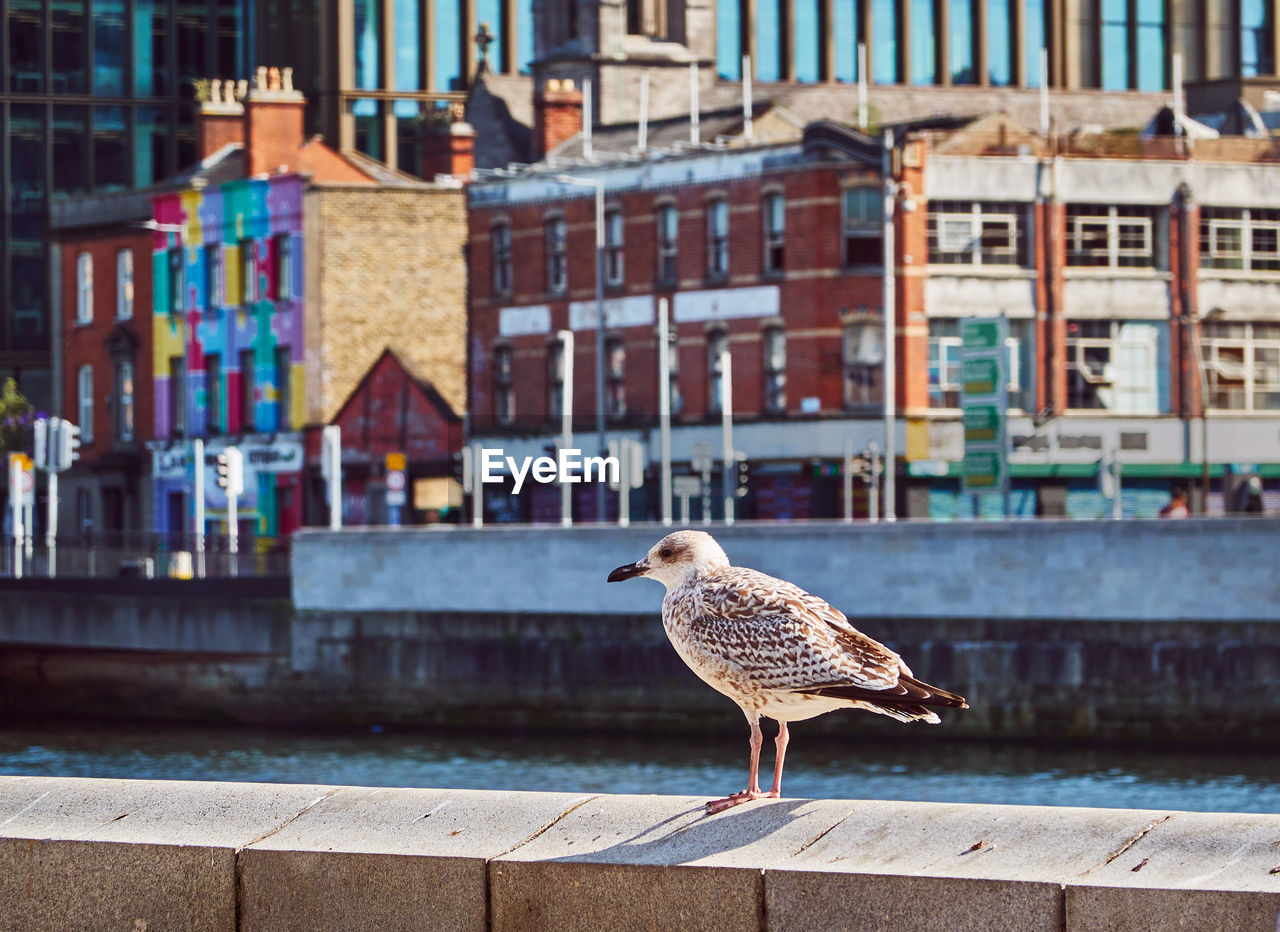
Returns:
point(95, 98)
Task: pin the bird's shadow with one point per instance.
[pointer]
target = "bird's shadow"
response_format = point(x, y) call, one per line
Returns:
point(693, 834)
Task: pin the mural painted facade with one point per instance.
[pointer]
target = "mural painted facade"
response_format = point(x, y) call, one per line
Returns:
point(228, 345)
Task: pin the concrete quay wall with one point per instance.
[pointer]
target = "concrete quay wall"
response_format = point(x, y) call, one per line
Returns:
point(117, 854)
point(1196, 569)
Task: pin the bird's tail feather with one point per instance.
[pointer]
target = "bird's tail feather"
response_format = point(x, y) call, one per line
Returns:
point(911, 700)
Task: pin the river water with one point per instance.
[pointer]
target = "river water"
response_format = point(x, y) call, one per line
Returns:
point(930, 770)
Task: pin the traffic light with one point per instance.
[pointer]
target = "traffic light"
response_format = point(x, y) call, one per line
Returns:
point(67, 445)
point(744, 476)
point(41, 451)
point(860, 466)
point(231, 471)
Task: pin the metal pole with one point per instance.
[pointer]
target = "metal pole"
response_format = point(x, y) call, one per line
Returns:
point(15, 505)
point(600, 360)
point(624, 482)
point(748, 128)
point(51, 532)
point(862, 86)
point(477, 487)
point(890, 331)
point(664, 410)
point(566, 420)
point(233, 531)
point(333, 450)
point(586, 120)
point(643, 142)
point(695, 136)
point(197, 481)
point(1117, 511)
point(726, 430)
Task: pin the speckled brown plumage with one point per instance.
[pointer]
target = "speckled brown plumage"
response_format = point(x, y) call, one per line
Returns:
point(773, 648)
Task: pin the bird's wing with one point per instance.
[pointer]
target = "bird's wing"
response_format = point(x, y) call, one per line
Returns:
point(782, 638)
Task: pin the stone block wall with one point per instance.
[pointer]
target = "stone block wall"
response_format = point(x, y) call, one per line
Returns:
point(386, 268)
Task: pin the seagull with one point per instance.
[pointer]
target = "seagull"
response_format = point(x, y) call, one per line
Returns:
point(774, 649)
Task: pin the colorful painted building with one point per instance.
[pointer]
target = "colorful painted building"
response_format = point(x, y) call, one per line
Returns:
point(277, 285)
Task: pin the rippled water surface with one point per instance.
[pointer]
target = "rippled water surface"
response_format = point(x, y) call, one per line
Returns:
point(816, 767)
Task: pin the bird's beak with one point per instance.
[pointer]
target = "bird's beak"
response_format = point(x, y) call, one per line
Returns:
point(628, 571)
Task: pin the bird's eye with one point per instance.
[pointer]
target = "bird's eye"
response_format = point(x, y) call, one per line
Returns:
point(665, 553)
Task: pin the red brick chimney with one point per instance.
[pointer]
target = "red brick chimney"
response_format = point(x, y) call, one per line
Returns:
point(557, 115)
point(220, 117)
point(273, 130)
point(450, 149)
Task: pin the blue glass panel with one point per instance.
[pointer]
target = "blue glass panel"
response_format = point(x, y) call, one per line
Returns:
point(110, 151)
point(961, 24)
point(26, 45)
point(999, 42)
point(924, 55)
point(368, 39)
point(68, 50)
point(768, 63)
point(149, 25)
point(108, 47)
point(806, 43)
point(490, 11)
point(884, 30)
point(444, 39)
point(846, 28)
point(150, 133)
point(1034, 37)
point(1151, 45)
point(524, 29)
point(408, 38)
point(728, 39)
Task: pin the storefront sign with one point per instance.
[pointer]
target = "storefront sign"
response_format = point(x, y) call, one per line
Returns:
point(985, 404)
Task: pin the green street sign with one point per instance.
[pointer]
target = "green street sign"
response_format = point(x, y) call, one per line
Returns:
point(982, 471)
point(981, 376)
point(980, 334)
point(981, 423)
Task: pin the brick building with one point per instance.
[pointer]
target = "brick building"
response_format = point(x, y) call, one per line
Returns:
point(1117, 261)
point(278, 290)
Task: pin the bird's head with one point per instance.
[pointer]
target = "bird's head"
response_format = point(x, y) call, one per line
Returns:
point(675, 558)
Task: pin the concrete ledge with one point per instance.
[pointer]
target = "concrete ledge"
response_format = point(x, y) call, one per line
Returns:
point(98, 854)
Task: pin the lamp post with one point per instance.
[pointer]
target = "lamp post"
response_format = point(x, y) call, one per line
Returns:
point(600, 362)
point(889, 251)
point(1195, 324)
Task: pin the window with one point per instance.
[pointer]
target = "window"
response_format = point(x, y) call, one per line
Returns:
point(775, 370)
point(557, 271)
point(775, 225)
point(1240, 239)
point(1113, 365)
point(863, 363)
point(177, 281)
point(555, 379)
point(613, 247)
point(213, 393)
point(863, 210)
point(248, 389)
point(503, 394)
point(84, 288)
point(177, 396)
point(124, 284)
point(668, 239)
point(717, 344)
point(284, 389)
point(673, 373)
point(718, 238)
point(1256, 38)
point(1115, 237)
point(213, 275)
point(284, 266)
point(615, 354)
point(945, 382)
point(978, 233)
point(501, 259)
point(84, 402)
point(248, 271)
point(1242, 365)
point(124, 401)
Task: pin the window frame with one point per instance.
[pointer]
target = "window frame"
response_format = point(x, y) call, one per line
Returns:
point(84, 288)
point(504, 400)
point(773, 223)
point(717, 216)
point(668, 246)
point(1247, 223)
point(84, 402)
point(859, 227)
point(614, 259)
point(248, 389)
point(1077, 349)
point(500, 236)
point(555, 235)
point(248, 272)
point(774, 352)
point(615, 354)
point(284, 266)
point(215, 281)
point(944, 357)
point(717, 341)
point(284, 387)
point(124, 284)
point(555, 378)
point(1217, 337)
point(177, 396)
point(124, 401)
point(1110, 222)
point(946, 221)
point(860, 376)
point(213, 420)
point(177, 281)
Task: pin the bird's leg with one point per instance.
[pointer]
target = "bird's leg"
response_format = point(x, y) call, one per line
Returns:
point(781, 743)
point(753, 786)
